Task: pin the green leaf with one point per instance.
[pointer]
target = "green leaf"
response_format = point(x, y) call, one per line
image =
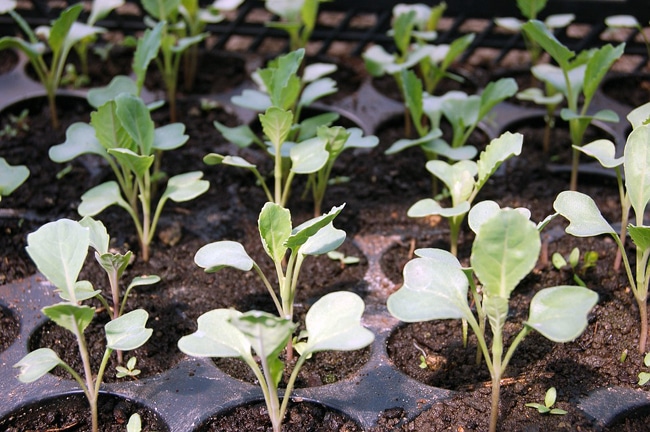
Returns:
point(267, 333)
point(637, 168)
point(317, 90)
point(301, 233)
point(186, 187)
point(315, 71)
point(134, 424)
point(11, 176)
point(109, 130)
point(114, 262)
point(36, 364)
point(537, 31)
point(624, 21)
point(101, 8)
point(169, 137)
point(79, 139)
point(412, 92)
point(325, 240)
point(95, 200)
point(280, 79)
point(136, 120)
point(119, 84)
point(496, 310)
point(217, 337)
point(432, 289)
point(598, 65)
point(639, 116)
point(452, 153)
point(276, 125)
point(341, 331)
point(309, 156)
point(402, 28)
point(640, 236)
point(215, 256)
point(146, 50)
point(310, 125)
point(554, 76)
point(459, 177)
point(242, 136)
point(128, 332)
point(99, 238)
point(274, 224)
point(495, 92)
point(7, 5)
point(427, 207)
point(32, 50)
point(484, 210)
point(375, 59)
point(59, 250)
point(604, 151)
point(499, 150)
point(253, 100)
point(560, 313)
point(605, 115)
point(70, 316)
point(136, 163)
point(161, 9)
point(61, 27)
point(584, 217)
point(404, 143)
point(530, 8)
point(550, 396)
point(505, 250)
point(143, 281)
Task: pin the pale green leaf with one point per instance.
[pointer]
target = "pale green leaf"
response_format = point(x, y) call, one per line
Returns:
point(499, 150)
point(301, 233)
point(217, 337)
point(253, 100)
point(276, 125)
point(95, 200)
point(325, 240)
point(59, 250)
point(274, 224)
point(309, 156)
point(128, 332)
point(585, 220)
point(11, 176)
point(80, 139)
point(36, 364)
point(169, 137)
point(136, 163)
point(186, 187)
point(637, 168)
point(341, 331)
point(242, 136)
point(604, 151)
point(428, 207)
point(639, 116)
point(640, 236)
point(432, 289)
point(505, 250)
point(70, 316)
point(99, 238)
point(560, 313)
point(217, 255)
point(317, 90)
point(136, 120)
point(538, 32)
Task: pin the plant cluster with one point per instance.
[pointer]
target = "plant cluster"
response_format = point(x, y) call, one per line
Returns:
point(506, 244)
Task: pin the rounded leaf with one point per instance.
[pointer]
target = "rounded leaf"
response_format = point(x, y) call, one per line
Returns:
point(340, 331)
point(95, 200)
point(186, 187)
point(432, 289)
point(36, 364)
point(128, 332)
point(215, 256)
point(584, 217)
point(216, 337)
point(560, 313)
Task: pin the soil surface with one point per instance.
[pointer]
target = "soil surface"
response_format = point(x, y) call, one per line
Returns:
point(377, 197)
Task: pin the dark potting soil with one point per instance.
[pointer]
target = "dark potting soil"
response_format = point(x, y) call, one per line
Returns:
point(9, 327)
point(300, 417)
point(71, 412)
point(9, 61)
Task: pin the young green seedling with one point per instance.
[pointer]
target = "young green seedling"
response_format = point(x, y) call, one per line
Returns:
point(194, 20)
point(463, 113)
point(122, 132)
point(307, 147)
point(59, 251)
point(11, 177)
point(333, 323)
point(505, 250)
point(464, 180)
point(575, 76)
point(17, 125)
point(99, 10)
point(129, 370)
point(589, 260)
point(549, 401)
point(342, 258)
point(317, 236)
point(634, 192)
point(530, 9)
point(172, 46)
point(413, 29)
point(298, 18)
point(59, 39)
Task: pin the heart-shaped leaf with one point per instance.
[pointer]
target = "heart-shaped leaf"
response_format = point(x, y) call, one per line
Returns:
point(585, 220)
point(79, 139)
point(186, 187)
point(36, 364)
point(217, 337)
point(215, 256)
point(560, 313)
point(98, 198)
point(128, 332)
